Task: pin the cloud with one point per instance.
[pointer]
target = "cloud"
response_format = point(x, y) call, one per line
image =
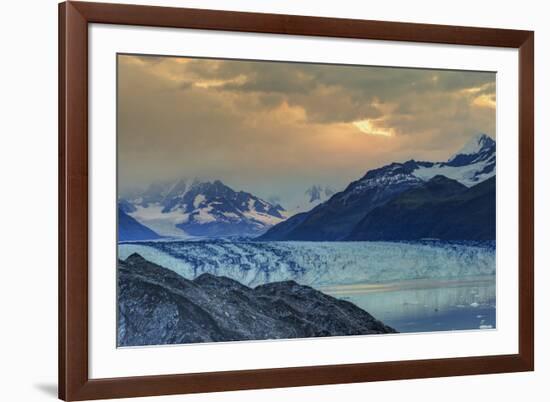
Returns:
point(265, 124)
point(373, 127)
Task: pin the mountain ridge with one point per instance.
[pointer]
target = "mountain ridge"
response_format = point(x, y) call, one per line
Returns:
point(202, 209)
point(441, 208)
point(336, 218)
point(210, 209)
point(130, 229)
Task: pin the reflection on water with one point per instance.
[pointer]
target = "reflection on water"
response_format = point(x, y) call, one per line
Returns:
point(422, 306)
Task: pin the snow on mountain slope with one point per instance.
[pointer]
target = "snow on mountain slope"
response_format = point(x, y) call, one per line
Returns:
point(318, 193)
point(191, 208)
point(212, 209)
point(394, 175)
point(478, 144)
point(313, 196)
point(474, 163)
point(335, 218)
point(319, 264)
point(468, 175)
point(161, 222)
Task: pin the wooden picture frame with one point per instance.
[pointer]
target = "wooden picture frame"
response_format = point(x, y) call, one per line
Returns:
point(74, 381)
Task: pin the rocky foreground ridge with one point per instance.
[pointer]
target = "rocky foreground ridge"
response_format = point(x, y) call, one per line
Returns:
point(157, 306)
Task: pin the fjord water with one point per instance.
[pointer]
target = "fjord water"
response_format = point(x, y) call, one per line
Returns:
point(412, 286)
point(425, 305)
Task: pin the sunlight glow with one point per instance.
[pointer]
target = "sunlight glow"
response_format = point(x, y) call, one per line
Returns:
point(369, 126)
point(239, 80)
point(485, 101)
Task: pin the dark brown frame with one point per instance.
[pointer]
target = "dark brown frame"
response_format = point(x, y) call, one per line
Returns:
point(74, 383)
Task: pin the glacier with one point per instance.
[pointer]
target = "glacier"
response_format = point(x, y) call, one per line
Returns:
point(319, 263)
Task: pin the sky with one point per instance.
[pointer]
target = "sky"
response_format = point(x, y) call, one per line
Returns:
point(275, 128)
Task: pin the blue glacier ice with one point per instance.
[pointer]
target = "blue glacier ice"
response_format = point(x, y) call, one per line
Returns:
point(319, 263)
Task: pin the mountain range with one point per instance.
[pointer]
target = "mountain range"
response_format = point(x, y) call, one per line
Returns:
point(444, 190)
point(201, 209)
point(451, 200)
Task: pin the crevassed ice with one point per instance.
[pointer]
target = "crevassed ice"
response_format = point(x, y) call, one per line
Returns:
point(318, 263)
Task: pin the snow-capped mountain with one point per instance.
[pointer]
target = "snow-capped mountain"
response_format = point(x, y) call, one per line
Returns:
point(474, 163)
point(202, 208)
point(318, 193)
point(336, 218)
point(480, 147)
point(312, 196)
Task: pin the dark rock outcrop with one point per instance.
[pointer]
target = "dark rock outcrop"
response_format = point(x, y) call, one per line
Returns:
point(157, 306)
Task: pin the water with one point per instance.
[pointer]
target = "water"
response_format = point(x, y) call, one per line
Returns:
point(413, 287)
point(426, 306)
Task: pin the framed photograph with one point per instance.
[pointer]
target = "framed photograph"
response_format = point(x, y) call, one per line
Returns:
point(259, 200)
